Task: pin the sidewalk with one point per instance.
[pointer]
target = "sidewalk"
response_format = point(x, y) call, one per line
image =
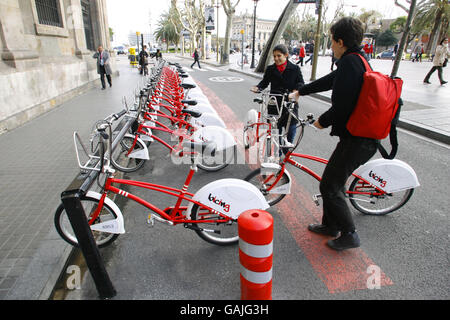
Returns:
point(426, 108)
point(37, 163)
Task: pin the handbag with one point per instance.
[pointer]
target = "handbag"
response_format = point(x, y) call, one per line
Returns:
point(445, 62)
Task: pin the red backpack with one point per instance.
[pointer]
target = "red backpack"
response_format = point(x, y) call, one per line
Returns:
point(377, 105)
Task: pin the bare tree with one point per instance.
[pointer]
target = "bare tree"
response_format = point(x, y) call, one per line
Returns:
point(230, 10)
point(276, 35)
point(189, 19)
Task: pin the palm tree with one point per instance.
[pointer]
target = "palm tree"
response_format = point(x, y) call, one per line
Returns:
point(166, 31)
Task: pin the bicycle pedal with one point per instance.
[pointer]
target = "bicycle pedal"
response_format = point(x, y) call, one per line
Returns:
point(316, 199)
point(151, 221)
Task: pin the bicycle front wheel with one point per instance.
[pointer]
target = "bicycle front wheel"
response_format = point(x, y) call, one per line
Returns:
point(371, 201)
point(264, 181)
point(64, 228)
point(120, 159)
point(219, 233)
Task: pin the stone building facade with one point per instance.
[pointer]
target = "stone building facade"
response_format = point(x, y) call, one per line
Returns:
point(46, 49)
point(244, 22)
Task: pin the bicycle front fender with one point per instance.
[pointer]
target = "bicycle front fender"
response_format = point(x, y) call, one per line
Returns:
point(141, 153)
point(231, 197)
point(111, 226)
point(273, 168)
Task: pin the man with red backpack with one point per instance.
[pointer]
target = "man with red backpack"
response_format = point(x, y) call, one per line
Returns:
point(351, 151)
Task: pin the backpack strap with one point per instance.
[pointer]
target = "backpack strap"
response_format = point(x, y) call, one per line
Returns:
point(392, 135)
point(364, 61)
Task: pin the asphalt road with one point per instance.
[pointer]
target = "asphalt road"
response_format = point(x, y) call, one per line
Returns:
point(409, 248)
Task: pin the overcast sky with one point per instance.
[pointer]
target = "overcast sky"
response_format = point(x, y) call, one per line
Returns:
point(136, 15)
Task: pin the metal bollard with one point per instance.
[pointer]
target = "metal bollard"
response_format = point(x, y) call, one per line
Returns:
point(255, 229)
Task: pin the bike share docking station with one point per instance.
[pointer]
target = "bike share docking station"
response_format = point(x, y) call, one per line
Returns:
point(78, 219)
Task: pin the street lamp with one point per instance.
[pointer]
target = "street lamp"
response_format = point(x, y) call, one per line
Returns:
point(252, 66)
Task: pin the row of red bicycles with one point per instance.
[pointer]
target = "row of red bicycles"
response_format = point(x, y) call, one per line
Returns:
point(168, 104)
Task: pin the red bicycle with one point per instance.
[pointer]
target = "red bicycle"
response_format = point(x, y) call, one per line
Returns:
point(212, 211)
point(377, 188)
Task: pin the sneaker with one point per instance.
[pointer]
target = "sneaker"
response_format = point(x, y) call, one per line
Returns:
point(103, 88)
point(426, 81)
point(322, 229)
point(347, 240)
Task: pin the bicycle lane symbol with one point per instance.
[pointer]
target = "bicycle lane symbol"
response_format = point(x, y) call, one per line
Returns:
point(226, 79)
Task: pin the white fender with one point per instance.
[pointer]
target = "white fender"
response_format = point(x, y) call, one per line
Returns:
point(204, 108)
point(389, 175)
point(219, 135)
point(267, 168)
point(207, 119)
point(111, 226)
point(252, 117)
point(231, 197)
point(142, 153)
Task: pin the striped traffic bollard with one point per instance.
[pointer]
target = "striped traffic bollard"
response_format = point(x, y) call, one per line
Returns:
point(255, 229)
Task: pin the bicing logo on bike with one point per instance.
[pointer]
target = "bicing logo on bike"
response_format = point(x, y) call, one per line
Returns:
point(379, 179)
point(221, 203)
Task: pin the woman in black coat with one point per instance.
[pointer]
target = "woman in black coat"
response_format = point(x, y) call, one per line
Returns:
point(283, 76)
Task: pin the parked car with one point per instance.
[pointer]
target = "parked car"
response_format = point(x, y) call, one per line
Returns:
point(386, 54)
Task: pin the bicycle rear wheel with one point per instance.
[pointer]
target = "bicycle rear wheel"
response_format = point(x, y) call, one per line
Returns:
point(369, 200)
point(223, 234)
point(258, 179)
point(220, 160)
point(120, 159)
point(64, 228)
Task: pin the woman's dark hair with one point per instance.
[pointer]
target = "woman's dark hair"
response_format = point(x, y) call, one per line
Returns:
point(349, 30)
point(282, 48)
point(442, 41)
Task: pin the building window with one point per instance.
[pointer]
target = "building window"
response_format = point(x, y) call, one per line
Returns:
point(87, 20)
point(48, 12)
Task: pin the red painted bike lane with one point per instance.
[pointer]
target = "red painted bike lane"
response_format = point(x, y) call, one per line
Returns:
point(340, 271)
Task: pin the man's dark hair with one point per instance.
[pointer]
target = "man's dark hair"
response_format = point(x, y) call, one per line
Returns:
point(350, 30)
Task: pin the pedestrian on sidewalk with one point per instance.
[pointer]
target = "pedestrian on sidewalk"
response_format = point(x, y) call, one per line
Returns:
point(283, 76)
point(441, 54)
point(311, 53)
point(351, 151)
point(143, 61)
point(103, 66)
point(301, 54)
point(158, 55)
point(196, 59)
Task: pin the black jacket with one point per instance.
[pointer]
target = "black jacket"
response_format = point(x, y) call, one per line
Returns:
point(345, 83)
point(290, 79)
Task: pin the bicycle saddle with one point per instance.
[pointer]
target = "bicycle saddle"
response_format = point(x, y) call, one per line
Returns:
point(209, 146)
point(184, 75)
point(189, 102)
point(258, 100)
point(188, 85)
point(193, 113)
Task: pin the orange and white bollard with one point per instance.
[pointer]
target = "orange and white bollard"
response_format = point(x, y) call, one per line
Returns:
point(255, 229)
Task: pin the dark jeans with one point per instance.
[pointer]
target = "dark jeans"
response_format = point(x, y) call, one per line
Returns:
point(439, 69)
point(102, 77)
point(350, 153)
point(198, 62)
point(300, 60)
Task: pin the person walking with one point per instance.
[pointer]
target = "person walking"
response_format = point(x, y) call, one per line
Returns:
point(196, 59)
point(283, 76)
point(103, 66)
point(143, 60)
point(301, 54)
point(158, 55)
point(351, 151)
point(440, 55)
point(311, 52)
